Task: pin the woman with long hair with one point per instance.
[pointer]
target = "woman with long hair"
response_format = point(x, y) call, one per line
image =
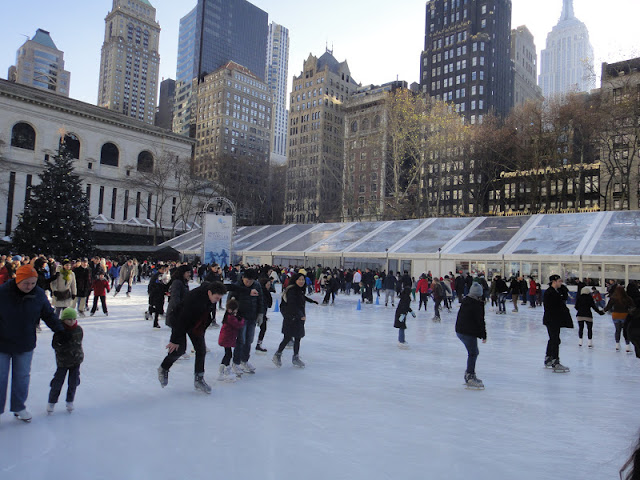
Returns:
point(619, 305)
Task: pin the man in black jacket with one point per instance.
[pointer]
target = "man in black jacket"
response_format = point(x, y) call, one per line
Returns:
point(192, 318)
point(556, 316)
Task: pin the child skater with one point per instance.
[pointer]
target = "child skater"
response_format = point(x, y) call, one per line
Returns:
point(69, 356)
point(400, 322)
point(469, 327)
point(231, 325)
point(100, 288)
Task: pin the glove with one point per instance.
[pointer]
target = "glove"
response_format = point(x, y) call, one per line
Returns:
point(413, 314)
point(402, 318)
point(259, 319)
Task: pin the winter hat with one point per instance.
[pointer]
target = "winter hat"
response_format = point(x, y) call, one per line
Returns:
point(16, 258)
point(68, 314)
point(475, 290)
point(585, 291)
point(24, 272)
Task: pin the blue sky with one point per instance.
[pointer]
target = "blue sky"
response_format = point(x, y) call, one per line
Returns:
point(381, 40)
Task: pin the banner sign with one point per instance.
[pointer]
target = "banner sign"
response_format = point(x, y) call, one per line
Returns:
point(218, 237)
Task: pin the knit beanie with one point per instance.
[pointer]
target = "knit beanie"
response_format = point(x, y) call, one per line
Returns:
point(24, 272)
point(475, 290)
point(68, 314)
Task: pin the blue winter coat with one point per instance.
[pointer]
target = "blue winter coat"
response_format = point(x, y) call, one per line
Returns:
point(19, 316)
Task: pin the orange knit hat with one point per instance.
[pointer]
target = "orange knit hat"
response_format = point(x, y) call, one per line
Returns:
point(24, 272)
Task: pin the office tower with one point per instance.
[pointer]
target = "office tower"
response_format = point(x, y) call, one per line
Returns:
point(316, 140)
point(214, 33)
point(40, 64)
point(164, 114)
point(129, 62)
point(466, 59)
point(276, 78)
point(524, 58)
point(567, 61)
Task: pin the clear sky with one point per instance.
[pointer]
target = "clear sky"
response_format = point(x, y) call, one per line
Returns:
point(381, 40)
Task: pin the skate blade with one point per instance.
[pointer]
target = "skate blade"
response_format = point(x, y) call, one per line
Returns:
point(468, 387)
point(561, 371)
point(298, 366)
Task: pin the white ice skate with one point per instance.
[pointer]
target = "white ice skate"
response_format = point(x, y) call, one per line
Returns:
point(559, 368)
point(297, 362)
point(235, 368)
point(403, 345)
point(247, 367)
point(23, 415)
point(472, 382)
point(50, 408)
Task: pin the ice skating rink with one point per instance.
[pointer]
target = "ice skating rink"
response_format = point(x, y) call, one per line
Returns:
point(362, 409)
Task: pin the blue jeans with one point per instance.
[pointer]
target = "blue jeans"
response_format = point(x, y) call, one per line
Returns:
point(20, 375)
point(401, 335)
point(471, 344)
point(502, 297)
point(242, 352)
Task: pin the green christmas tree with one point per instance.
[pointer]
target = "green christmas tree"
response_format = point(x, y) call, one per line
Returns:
point(56, 216)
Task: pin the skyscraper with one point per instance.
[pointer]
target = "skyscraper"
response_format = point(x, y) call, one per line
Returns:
point(316, 140)
point(567, 61)
point(40, 64)
point(466, 58)
point(276, 77)
point(214, 33)
point(524, 57)
point(130, 60)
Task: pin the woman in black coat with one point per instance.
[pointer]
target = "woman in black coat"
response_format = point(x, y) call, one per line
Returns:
point(177, 291)
point(584, 305)
point(267, 301)
point(469, 327)
point(293, 311)
point(400, 319)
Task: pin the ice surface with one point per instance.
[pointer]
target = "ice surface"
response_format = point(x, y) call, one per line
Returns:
point(361, 409)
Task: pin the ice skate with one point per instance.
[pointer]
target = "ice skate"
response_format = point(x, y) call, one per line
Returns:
point(259, 348)
point(590, 344)
point(403, 345)
point(247, 367)
point(146, 315)
point(237, 370)
point(163, 376)
point(548, 362)
point(128, 295)
point(50, 408)
point(115, 293)
point(229, 376)
point(200, 384)
point(221, 373)
point(92, 314)
point(628, 349)
point(186, 356)
point(580, 342)
point(472, 382)
point(436, 319)
point(156, 325)
point(559, 368)
point(277, 359)
point(617, 347)
point(69, 407)
point(23, 415)
point(297, 362)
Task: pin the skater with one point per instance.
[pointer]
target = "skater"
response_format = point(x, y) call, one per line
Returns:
point(157, 290)
point(125, 276)
point(23, 305)
point(192, 319)
point(389, 287)
point(231, 325)
point(100, 287)
point(177, 291)
point(423, 289)
point(584, 305)
point(469, 327)
point(248, 293)
point(69, 356)
point(63, 287)
point(293, 312)
point(82, 273)
point(267, 302)
point(533, 290)
point(619, 305)
point(515, 285)
point(437, 292)
point(502, 291)
point(556, 316)
point(400, 320)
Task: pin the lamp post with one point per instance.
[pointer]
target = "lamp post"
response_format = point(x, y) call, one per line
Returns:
point(439, 262)
point(387, 263)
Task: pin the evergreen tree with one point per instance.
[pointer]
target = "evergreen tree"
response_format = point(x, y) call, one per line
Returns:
point(56, 216)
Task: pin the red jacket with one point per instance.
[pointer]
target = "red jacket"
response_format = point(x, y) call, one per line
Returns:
point(422, 286)
point(229, 331)
point(532, 287)
point(100, 287)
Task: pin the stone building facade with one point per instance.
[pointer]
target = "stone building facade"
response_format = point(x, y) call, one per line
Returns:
point(112, 152)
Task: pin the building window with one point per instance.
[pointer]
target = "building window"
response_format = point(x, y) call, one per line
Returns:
point(23, 136)
point(145, 162)
point(109, 155)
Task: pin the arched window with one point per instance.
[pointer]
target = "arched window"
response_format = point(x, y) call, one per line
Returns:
point(365, 124)
point(23, 136)
point(376, 121)
point(70, 144)
point(354, 127)
point(109, 155)
point(145, 162)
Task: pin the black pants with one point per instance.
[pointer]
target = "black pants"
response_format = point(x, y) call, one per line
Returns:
point(286, 340)
point(553, 345)
point(424, 297)
point(228, 353)
point(58, 381)
point(198, 345)
point(103, 300)
point(263, 330)
point(329, 294)
point(589, 329)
